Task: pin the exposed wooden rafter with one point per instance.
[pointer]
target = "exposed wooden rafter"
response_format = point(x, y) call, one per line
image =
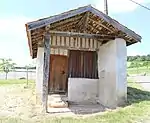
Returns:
point(67, 21)
point(66, 26)
point(43, 22)
point(82, 24)
point(79, 25)
point(100, 24)
point(86, 22)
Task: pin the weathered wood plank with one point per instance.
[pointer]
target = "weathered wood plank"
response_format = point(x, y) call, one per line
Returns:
point(62, 41)
point(30, 42)
point(74, 48)
point(46, 71)
point(58, 41)
point(82, 35)
point(83, 42)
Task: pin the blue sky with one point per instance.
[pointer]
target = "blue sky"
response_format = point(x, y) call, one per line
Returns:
point(15, 13)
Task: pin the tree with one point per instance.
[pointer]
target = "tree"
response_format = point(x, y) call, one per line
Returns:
point(131, 58)
point(7, 65)
point(143, 58)
point(132, 65)
point(148, 57)
point(137, 66)
point(139, 58)
point(146, 64)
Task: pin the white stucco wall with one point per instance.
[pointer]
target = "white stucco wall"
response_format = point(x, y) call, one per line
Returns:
point(39, 74)
point(107, 73)
point(82, 90)
point(112, 73)
point(121, 71)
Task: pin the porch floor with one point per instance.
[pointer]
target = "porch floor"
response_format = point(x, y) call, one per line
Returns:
point(79, 109)
point(57, 99)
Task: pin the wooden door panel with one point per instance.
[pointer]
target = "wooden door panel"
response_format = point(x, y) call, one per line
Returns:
point(58, 73)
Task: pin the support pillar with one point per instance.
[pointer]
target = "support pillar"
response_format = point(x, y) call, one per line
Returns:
point(42, 73)
point(112, 59)
point(46, 71)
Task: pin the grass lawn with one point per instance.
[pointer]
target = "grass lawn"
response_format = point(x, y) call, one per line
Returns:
point(137, 108)
point(141, 70)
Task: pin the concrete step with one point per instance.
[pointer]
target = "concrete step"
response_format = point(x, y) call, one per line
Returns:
point(57, 101)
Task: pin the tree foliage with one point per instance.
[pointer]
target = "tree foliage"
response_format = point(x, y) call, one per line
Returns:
point(139, 58)
point(7, 65)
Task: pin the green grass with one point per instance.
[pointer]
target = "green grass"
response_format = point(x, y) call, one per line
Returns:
point(140, 70)
point(137, 108)
point(10, 81)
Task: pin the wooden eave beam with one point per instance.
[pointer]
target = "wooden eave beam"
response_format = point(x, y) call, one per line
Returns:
point(30, 42)
point(82, 35)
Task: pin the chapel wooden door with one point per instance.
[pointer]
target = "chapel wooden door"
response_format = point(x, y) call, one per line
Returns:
point(58, 74)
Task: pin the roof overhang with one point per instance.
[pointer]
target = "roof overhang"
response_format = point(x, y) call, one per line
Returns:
point(98, 23)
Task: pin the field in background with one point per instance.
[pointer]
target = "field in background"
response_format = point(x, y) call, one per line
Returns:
point(142, 70)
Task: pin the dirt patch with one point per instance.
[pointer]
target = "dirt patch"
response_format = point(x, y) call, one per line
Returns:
point(15, 100)
point(18, 101)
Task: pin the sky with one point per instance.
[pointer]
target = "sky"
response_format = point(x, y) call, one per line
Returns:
point(15, 13)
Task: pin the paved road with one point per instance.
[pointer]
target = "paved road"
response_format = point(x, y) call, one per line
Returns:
point(143, 80)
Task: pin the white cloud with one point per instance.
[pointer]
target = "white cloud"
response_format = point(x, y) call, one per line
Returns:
point(118, 6)
point(13, 40)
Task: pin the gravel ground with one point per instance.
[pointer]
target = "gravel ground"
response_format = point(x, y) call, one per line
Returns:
point(17, 101)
